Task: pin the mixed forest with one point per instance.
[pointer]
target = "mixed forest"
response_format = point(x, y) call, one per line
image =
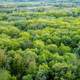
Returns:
point(40, 43)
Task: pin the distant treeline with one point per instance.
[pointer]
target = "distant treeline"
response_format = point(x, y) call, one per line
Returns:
point(40, 0)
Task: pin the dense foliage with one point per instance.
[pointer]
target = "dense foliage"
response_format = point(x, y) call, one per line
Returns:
point(42, 44)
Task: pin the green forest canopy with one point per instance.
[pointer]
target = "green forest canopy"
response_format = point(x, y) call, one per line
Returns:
point(40, 44)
